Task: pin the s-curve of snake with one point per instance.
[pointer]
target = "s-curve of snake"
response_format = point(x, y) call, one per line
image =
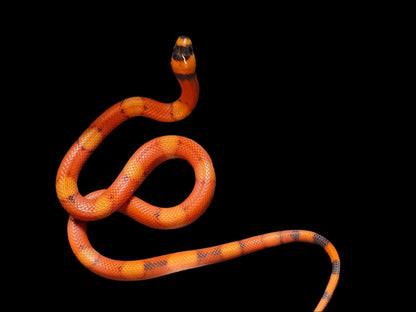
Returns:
point(119, 196)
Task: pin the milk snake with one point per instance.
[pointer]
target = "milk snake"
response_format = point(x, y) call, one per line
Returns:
point(119, 196)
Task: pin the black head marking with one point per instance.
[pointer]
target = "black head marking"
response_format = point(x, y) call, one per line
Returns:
point(182, 53)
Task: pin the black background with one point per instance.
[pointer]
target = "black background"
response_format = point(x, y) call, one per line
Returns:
point(281, 113)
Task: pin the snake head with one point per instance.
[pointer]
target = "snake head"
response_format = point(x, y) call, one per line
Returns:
point(183, 58)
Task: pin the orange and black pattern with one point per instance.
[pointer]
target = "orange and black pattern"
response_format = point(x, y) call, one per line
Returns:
point(119, 195)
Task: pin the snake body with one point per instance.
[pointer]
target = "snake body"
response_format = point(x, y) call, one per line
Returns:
point(119, 195)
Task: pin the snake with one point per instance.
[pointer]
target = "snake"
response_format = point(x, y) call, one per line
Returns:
point(119, 196)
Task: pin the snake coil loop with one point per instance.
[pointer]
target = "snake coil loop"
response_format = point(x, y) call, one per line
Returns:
point(119, 195)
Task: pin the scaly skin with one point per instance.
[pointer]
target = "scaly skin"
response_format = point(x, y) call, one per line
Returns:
point(119, 195)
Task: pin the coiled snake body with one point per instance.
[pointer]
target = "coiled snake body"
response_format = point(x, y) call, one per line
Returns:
point(119, 196)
